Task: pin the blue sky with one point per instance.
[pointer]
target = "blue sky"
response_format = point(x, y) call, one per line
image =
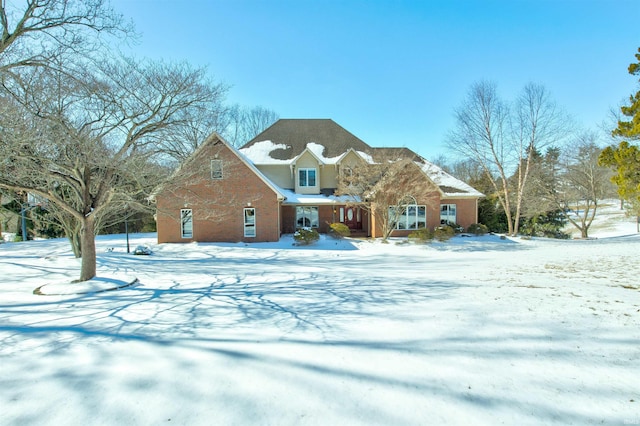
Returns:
point(392, 72)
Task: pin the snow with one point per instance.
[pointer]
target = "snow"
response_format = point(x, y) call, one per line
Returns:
point(444, 179)
point(610, 221)
point(259, 153)
point(293, 197)
point(477, 330)
point(318, 149)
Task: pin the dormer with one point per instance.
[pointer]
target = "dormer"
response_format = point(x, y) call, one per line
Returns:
point(351, 159)
point(348, 164)
point(306, 170)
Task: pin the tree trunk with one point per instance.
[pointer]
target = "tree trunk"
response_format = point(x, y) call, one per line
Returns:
point(76, 243)
point(88, 248)
point(507, 211)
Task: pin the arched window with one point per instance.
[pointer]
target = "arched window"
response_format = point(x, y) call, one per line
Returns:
point(408, 214)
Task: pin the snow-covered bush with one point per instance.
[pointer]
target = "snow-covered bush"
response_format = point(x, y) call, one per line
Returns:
point(306, 236)
point(457, 229)
point(142, 250)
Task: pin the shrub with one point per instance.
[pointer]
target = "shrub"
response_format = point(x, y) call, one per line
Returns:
point(339, 230)
point(422, 235)
point(457, 229)
point(306, 236)
point(477, 229)
point(443, 233)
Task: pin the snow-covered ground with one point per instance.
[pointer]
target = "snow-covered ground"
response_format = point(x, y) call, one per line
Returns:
point(610, 220)
point(478, 330)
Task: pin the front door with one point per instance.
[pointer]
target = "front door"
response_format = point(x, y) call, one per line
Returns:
point(351, 217)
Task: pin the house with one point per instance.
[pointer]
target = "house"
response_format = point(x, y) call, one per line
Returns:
point(286, 178)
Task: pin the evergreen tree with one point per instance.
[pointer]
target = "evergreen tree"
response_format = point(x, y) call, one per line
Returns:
point(625, 158)
point(631, 129)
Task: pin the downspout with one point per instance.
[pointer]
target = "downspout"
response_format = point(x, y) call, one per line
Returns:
point(279, 219)
point(372, 224)
point(477, 199)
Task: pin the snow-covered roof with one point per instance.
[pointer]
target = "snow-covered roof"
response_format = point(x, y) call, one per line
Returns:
point(449, 185)
point(259, 152)
point(296, 134)
point(268, 152)
point(294, 198)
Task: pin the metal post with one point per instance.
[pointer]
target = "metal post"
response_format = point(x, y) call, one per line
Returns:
point(126, 230)
point(23, 212)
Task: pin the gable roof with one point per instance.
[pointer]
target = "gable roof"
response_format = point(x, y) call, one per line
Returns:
point(448, 185)
point(395, 154)
point(214, 139)
point(295, 134)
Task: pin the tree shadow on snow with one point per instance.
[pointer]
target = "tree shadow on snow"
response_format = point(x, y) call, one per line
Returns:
point(287, 321)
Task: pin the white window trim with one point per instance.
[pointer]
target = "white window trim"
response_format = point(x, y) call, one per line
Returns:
point(309, 216)
point(183, 234)
point(306, 170)
point(417, 208)
point(455, 215)
point(249, 226)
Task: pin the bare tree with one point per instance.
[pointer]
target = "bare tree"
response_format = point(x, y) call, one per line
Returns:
point(503, 139)
point(37, 32)
point(202, 122)
point(41, 33)
point(481, 133)
point(385, 187)
point(82, 143)
point(569, 181)
point(245, 123)
point(236, 124)
point(584, 183)
point(536, 125)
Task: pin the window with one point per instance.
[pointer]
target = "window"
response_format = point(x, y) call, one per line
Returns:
point(409, 217)
point(307, 217)
point(447, 213)
point(250, 222)
point(306, 177)
point(216, 169)
point(186, 223)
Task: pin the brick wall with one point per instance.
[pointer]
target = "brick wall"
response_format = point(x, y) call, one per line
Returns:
point(466, 211)
point(217, 204)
